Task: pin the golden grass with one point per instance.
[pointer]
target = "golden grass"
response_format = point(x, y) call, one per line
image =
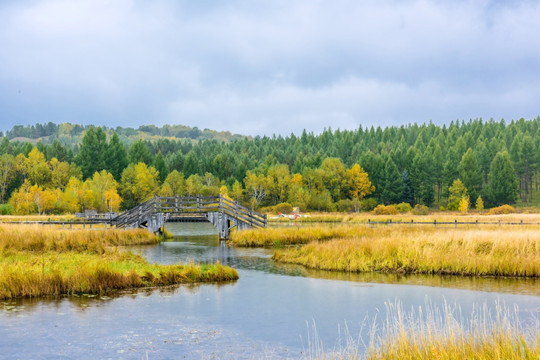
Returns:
point(434, 334)
point(440, 216)
point(484, 251)
point(290, 235)
point(37, 262)
point(10, 218)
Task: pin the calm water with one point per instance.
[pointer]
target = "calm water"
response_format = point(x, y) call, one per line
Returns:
point(270, 312)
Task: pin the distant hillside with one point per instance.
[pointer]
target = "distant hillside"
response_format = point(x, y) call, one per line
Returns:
point(71, 134)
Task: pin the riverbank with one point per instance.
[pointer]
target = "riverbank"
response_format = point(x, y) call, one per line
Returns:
point(35, 262)
point(470, 251)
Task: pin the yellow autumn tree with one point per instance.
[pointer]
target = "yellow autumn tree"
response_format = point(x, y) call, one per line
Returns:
point(138, 183)
point(37, 169)
point(61, 173)
point(22, 200)
point(72, 195)
point(174, 184)
point(464, 204)
point(113, 200)
point(357, 181)
point(102, 182)
point(237, 191)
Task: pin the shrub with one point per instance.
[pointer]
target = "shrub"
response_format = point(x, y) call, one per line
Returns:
point(284, 208)
point(267, 209)
point(420, 210)
point(344, 205)
point(501, 210)
point(403, 207)
point(6, 209)
point(385, 210)
point(368, 204)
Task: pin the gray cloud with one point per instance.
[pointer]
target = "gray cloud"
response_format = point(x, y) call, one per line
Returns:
point(270, 66)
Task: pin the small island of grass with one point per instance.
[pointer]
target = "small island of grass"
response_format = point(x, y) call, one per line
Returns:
point(35, 262)
point(470, 251)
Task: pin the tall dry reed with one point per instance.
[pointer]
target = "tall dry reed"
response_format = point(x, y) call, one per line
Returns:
point(434, 333)
point(493, 251)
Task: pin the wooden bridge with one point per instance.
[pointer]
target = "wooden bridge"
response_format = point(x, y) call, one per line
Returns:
point(222, 212)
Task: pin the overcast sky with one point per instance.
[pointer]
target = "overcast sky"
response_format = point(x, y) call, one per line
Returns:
point(264, 67)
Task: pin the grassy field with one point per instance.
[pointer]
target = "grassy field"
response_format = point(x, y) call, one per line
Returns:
point(478, 251)
point(528, 216)
point(432, 334)
point(36, 262)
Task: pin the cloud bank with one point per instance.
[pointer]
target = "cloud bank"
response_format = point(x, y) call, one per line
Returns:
point(267, 67)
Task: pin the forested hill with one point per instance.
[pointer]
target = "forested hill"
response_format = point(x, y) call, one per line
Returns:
point(71, 134)
point(437, 166)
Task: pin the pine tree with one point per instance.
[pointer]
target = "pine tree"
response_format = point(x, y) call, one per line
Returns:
point(408, 194)
point(191, 165)
point(91, 157)
point(138, 153)
point(502, 181)
point(161, 167)
point(116, 157)
point(470, 173)
point(393, 185)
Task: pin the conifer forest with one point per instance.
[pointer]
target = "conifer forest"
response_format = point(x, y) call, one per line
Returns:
point(44, 170)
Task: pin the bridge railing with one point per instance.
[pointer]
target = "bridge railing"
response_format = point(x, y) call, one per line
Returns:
point(137, 214)
point(190, 204)
point(247, 215)
point(205, 204)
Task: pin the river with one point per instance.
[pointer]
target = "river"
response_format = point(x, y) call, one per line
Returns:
point(272, 311)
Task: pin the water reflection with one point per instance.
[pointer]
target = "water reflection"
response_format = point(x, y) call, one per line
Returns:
point(200, 242)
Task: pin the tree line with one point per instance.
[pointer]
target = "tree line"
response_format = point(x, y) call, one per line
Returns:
point(341, 170)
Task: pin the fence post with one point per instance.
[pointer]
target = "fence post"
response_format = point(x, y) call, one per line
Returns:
point(435, 222)
point(476, 222)
point(220, 203)
point(368, 222)
point(499, 222)
point(390, 222)
point(455, 223)
point(521, 222)
point(412, 222)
